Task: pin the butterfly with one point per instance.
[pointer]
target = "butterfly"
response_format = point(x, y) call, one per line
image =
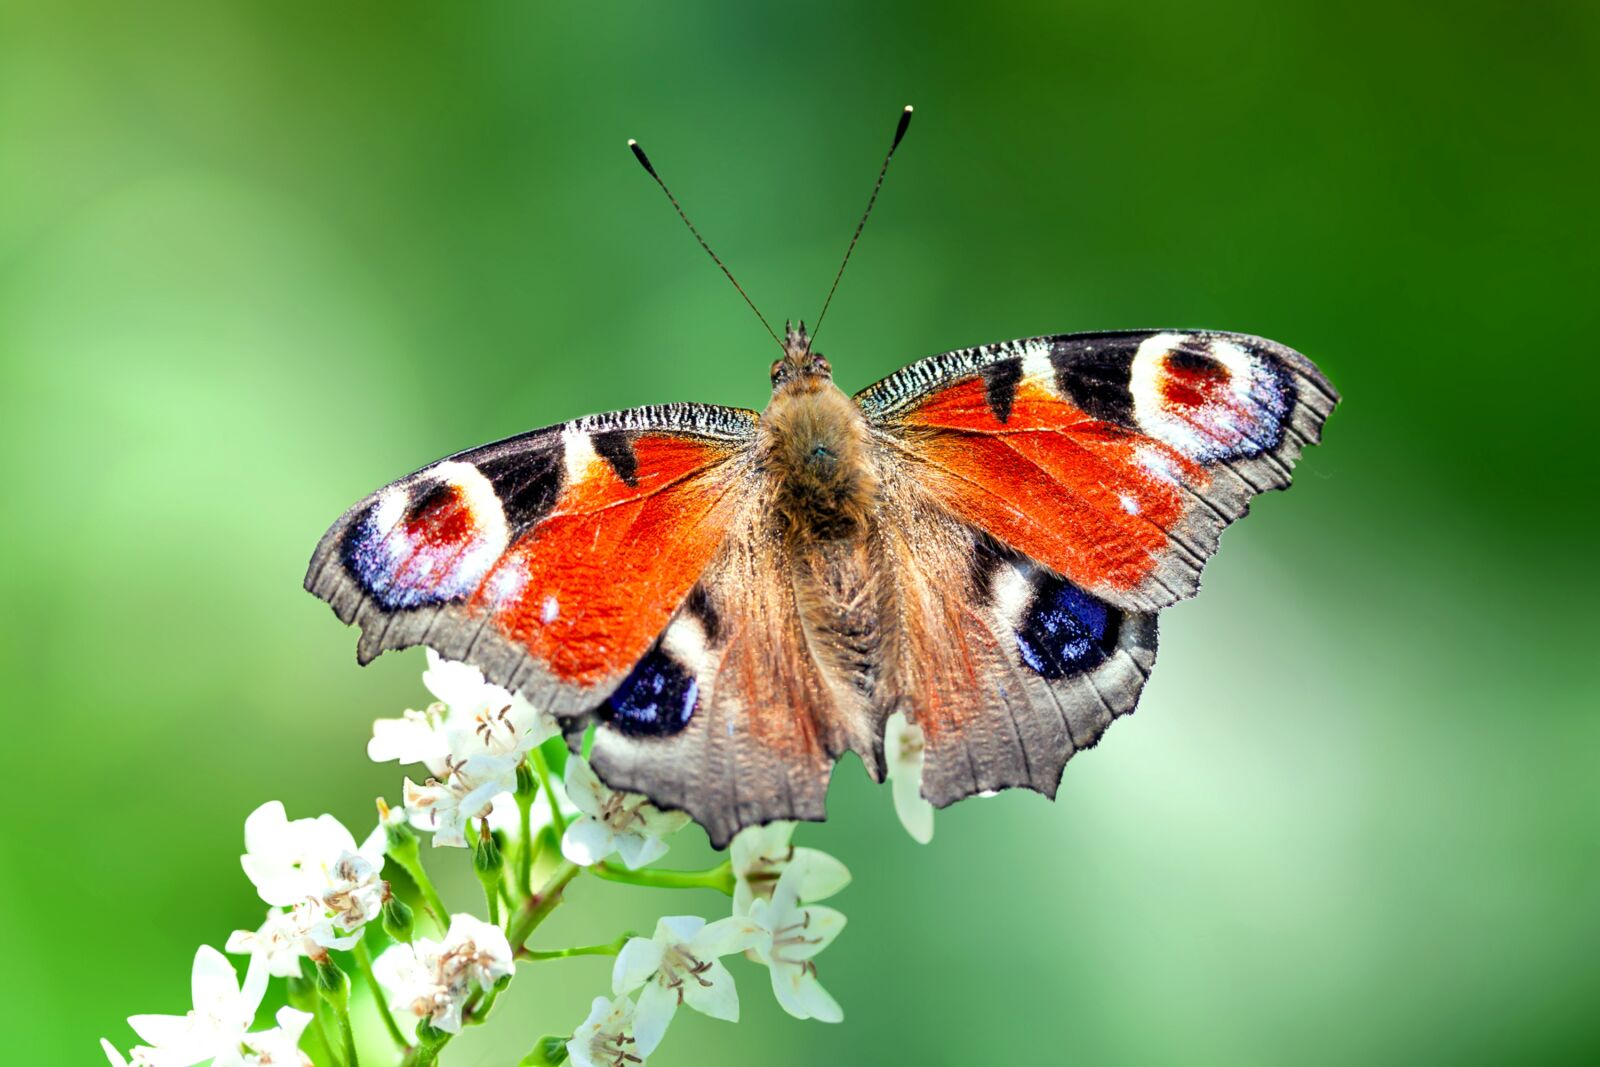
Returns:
point(731, 599)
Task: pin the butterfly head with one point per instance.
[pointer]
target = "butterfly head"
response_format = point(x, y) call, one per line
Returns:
point(799, 368)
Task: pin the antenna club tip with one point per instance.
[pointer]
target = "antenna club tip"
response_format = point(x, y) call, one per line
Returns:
point(632, 143)
point(909, 109)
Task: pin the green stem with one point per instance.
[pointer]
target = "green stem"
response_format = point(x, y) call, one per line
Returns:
point(349, 1035)
point(539, 905)
point(491, 895)
point(364, 962)
point(325, 1029)
point(478, 1011)
point(320, 1035)
point(525, 853)
point(719, 877)
point(411, 860)
point(557, 820)
point(610, 948)
point(505, 893)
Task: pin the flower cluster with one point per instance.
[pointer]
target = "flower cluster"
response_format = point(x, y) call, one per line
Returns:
point(534, 819)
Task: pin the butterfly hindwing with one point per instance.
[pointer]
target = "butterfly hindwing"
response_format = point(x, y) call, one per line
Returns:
point(1113, 459)
point(552, 560)
point(738, 713)
point(1007, 668)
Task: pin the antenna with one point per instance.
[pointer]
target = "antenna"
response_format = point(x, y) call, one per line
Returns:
point(644, 161)
point(899, 133)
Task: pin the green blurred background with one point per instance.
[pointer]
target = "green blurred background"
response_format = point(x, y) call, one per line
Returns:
point(258, 258)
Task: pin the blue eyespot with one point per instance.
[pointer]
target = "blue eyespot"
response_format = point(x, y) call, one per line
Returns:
point(1066, 631)
point(656, 699)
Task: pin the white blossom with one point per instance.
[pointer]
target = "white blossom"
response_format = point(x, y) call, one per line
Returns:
point(624, 823)
point(468, 792)
point(484, 719)
point(760, 855)
point(794, 934)
point(282, 939)
point(680, 965)
point(315, 867)
point(605, 1038)
point(352, 897)
point(222, 1013)
point(277, 1047)
point(415, 737)
point(903, 751)
point(433, 979)
point(291, 861)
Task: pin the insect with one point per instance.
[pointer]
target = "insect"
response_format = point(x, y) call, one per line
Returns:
point(982, 541)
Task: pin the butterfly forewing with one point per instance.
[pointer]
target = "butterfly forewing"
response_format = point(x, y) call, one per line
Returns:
point(1113, 459)
point(552, 560)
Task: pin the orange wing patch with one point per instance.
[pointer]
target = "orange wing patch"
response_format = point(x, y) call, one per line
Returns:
point(1088, 499)
point(589, 588)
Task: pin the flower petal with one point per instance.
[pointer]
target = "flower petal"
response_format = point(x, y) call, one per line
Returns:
point(250, 993)
point(725, 936)
point(584, 789)
point(639, 959)
point(212, 981)
point(170, 1033)
point(587, 841)
point(679, 928)
point(822, 876)
point(822, 926)
point(657, 1006)
point(637, 850)
point(818, 1002)
point(720, 999)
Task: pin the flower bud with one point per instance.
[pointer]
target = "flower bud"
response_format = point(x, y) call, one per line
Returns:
point(487, 858)
point(401, 839)
point(550, 1051)
point(333, 985)
point(399, 921)
point(527, 781)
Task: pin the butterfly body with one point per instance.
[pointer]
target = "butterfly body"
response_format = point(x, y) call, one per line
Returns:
point(980, 541)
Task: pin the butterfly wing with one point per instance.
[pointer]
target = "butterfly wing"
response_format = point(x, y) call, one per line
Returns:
point(552, 560)
point(1114, 459)
point(738, 713)
point(1053, 495)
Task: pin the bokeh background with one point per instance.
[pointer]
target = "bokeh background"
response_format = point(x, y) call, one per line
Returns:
point(259, 258)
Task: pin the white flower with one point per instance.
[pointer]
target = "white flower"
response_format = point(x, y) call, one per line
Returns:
point(794, 936)
point(352, 897)
point(679, 966)
point(278, 1047)
point(605, 1038)
point(433, 979)
point(624, 823)
point(282, 940)
point(760, 855)
point(141, 1055)
point(484, 718)
point(902, 749)
point(415, 737)
point(293, 861)
point(223, 1011)
point(467, 793)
